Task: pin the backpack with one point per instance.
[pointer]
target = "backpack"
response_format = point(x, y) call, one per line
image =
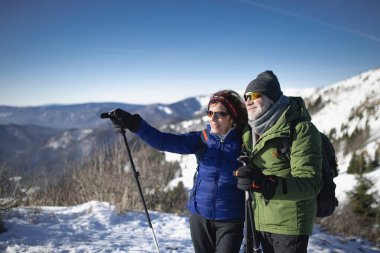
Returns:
point(326, 199)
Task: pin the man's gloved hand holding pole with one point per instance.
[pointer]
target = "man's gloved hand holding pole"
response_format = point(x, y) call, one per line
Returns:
point(251, 178)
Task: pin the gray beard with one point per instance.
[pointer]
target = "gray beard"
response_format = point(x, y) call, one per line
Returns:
point(260, 110)
point(268, 117)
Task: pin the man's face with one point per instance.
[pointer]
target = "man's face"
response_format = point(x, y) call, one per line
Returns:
point(257, 107)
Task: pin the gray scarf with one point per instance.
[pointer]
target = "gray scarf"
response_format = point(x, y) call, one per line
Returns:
point(268, 119)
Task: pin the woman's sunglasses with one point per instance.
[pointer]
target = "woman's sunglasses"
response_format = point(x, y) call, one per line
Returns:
point(252, 95)
point(218, 115)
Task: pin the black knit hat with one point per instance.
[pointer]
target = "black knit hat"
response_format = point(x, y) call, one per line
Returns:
point(267, 84)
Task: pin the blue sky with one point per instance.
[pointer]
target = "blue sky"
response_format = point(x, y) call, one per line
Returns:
point(147, 51)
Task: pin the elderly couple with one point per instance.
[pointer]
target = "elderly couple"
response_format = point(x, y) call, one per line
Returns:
point(284, 199)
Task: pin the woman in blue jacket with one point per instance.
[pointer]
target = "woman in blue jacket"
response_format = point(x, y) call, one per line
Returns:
point(215, 203)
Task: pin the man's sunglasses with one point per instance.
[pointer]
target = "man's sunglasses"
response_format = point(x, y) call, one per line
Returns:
point(218, 115)
point(252, 95)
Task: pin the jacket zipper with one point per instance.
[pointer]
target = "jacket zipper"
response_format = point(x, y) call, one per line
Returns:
point(217, 177)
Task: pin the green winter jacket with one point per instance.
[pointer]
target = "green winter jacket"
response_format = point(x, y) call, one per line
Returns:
point(292, 209)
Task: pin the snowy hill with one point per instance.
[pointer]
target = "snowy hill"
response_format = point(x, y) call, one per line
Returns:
point(96, 227)
point(346, 108)
point(340, 108)
point(352, 102)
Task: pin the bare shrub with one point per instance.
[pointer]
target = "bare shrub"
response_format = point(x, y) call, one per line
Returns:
point(13, 191)
point(107, 176)
point(170, 201)
point(347, 223)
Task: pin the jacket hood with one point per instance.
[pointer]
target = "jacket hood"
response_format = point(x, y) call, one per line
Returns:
point(295, 110)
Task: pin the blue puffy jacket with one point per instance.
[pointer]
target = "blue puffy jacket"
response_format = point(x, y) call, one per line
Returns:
point(214, 195)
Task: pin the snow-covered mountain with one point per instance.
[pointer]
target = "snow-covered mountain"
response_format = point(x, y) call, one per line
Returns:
point(340, 110)
point(87, 115)
point(348, 110)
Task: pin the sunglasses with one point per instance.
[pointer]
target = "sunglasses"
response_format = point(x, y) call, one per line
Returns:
point(252, 95)
point(218, 115)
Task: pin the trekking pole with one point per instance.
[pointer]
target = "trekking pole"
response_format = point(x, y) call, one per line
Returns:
point(252, 240)
point(136, 174)
point(248, 227)
point(251, 223)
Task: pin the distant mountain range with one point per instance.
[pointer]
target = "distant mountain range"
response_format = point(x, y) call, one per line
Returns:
point(47, 137)
point(87, 115)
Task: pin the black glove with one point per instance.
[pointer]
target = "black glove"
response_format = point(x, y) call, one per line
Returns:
point(122, 119)
point(252, 178)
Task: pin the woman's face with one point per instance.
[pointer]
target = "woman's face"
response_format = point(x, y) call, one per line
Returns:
point(219, 118)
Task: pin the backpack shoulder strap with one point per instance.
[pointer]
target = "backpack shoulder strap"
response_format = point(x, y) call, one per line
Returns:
point(202, 144)
point(204, 135)
point(201, 147)
point(287, 141)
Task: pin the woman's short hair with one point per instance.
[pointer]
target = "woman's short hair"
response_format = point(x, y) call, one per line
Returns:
point(234, 104)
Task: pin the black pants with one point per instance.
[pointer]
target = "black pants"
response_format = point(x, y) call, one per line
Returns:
point(210, 236)
point(275, 243)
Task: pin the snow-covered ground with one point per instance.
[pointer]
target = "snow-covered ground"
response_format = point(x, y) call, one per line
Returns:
point(96, 227)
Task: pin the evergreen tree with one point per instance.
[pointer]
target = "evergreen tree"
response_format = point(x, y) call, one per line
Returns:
point(362, 164)
point(364, 202)
point(353, 165)
point(375, 163)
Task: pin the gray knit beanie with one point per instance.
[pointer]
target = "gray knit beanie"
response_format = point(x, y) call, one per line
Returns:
point(267, 84)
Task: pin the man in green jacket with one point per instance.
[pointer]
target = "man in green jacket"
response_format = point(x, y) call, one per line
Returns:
point(285, 183)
